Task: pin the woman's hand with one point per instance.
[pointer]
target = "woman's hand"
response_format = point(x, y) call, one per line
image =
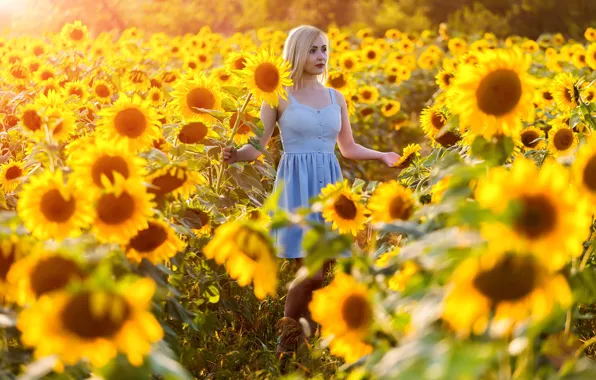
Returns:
point(390, 158)
point(229, 154)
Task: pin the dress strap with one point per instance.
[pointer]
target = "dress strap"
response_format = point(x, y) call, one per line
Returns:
point(332, 95)
point(292, 99)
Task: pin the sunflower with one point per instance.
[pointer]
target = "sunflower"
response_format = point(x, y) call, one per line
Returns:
point(33, 120)
point(267, 76)
point(78, 90)
point(221, 76)
point(198, 219)
point(101, 159)
point(584, 168)
point(12, 249)
point(511, 287)
point(457, 46)
point(564, 91)
point(194, 132)
point(371, 54)
point(531, 138)
point(340, 81)
point(122, 209)
point(102, 91)
point(248, 255)
point(136, 80)
point(129, 123)
point(93, 323)
point(349, 62)
point(591, 56)
point(235, 61)
point(74, 34)
point(391, 201)
point(176, 180)
point(156, 243)
point(343, 209)
point(170, 77)
point(368, 94)
point(399, 280)
point(11, 174)
point(155, 96)
point(345, 311)
point(385, 257)
point(408, 154)
point(432, 121)
point(18, 74)
point(244, 131)
point(493, 96)
point(43, 272)
point(53, 209)
point(61, 123)
point(196, 91)
point(390, 107)
point(444, 79)
point(562, 140)
point(548, 217)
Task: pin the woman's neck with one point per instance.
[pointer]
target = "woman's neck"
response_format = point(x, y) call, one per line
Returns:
point(308, 81)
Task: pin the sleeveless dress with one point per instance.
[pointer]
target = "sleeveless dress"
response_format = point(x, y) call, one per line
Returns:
point(307, 164)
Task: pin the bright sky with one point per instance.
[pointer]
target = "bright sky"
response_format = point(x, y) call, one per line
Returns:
point(10, 5)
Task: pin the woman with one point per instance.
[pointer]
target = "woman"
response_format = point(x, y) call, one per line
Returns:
point(311, 122)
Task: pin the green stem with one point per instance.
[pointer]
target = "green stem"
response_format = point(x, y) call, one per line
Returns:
point(229, 139)
point(586, 344)
point(587, 255)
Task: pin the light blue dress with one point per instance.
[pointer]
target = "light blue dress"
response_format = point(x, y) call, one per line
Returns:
point(307, 165)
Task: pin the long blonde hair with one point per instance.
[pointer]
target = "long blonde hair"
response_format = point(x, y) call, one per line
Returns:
point(297, 47)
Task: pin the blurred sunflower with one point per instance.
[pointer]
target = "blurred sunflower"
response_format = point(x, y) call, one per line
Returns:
point(129, 123)
point(61, 123)
point(342, 82)
point(136, 80)
point(343, 209)
point(248, 255)
point(400, 279)
point(194, 132)
point(18, 74)
point(408, 154)
point(78, 90)
point(235, 61)
point(368, 94)
point(547, 218)
point(102, 91)
point(584, 168)
point(510, 287)
point(156, 243)
point(432, 120)
point(390, 107)
point(52, 208)
point(444, 79)
point(371, 55)
point(74, 34)
point(198, 219)
point(561, 140)
point(345, 311)
point(122, 209)
point(591, 56)
point(12, 249)
point(266, 76)
point(349, 62)
point(531, 138)
point(11, 174)
point(244, 131)
point(33, 120)
point(176, 180)
point(391, 201)
point(196, 91)
point(564, 91)
point(155, 96)
point(496, 94)
point(92, 323)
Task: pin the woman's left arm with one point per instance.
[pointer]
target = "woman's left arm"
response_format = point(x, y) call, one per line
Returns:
point(349, 148)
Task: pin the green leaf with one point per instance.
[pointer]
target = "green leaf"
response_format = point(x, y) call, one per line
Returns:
point(575, 118)
point(228, 105)
point(236, 92)
point(584, 285)
point(212, 294)
point(162, 363)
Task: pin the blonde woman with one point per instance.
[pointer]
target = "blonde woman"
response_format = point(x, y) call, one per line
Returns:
point(311, 122)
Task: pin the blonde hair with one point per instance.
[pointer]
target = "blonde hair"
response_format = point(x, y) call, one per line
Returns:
point(297, 47)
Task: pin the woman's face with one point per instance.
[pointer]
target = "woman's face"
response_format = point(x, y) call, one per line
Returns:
point(317, 57)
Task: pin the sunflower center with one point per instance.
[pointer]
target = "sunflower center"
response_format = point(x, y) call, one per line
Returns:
point(102, 91)
point(53, 273)
point(589, 174)
point(107, 165)
point(348, 63)
point(510, 279)
point(13, 172)
point(267, 77)
point(46, 75)
point(345, 207)
point(78, 92)
point(32, 120)
point(388, 107)
point(371, 54)
point(200, 98)
point(356, 312)
point(563, 139)
point(192, 65)
point(77, 34)
point(167, 183)
point(437, 120)
point(80, 318)
point(112, 209)
point(130, 122)
point(55, 208)
point(6, 261)
point(156, 96)
point(448, 139)
point(400, 208)
point(528, 138)
point(499, 92)
point(537, 217)
point(240, 63)
point(366, 94)
point(150, 238)
point(19, 73)
point(169, 77)
point(137, 76)
point(546, 95)
point(567, 95)
point(338, 81)
point(193, 133)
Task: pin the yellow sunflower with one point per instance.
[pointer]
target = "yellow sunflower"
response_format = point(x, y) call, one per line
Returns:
point(194, 132)
point(349, 61)
point(18, 74)
point(12, 249)
point(129, 123)
point(344, 210)
point(101, 159)
point(102, 91)
point(548, 218)
point(407, 156)
point(344, 310)
point(390, 107)
point(531, 138)
point(432, 120)
point(43, 272)
point(244, 131)
point(11, 174)
point(444, 79)
point(198, 219)
point(340, 81)
point(156, 243)
point(399, 280)
point(368, 94)
point(176, 180)
point(155, 96)
point(61, 123)
point(74, 34)
point(494, 95)
point(267, 76)
point(136, 79)
point(501, 289)
point(52, 208)
point(77, 90)
point(562, 140)
point(248, 255)
point(93, 323)
point(33, 120)
point(123, 208)
point(564, 91)
point(196, 91)
point(391, 201)
point(584, 168)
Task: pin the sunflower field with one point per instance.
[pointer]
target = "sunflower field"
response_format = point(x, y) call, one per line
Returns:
point(129, 250)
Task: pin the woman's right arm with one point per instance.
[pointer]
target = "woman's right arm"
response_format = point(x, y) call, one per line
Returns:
point(247, 152)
